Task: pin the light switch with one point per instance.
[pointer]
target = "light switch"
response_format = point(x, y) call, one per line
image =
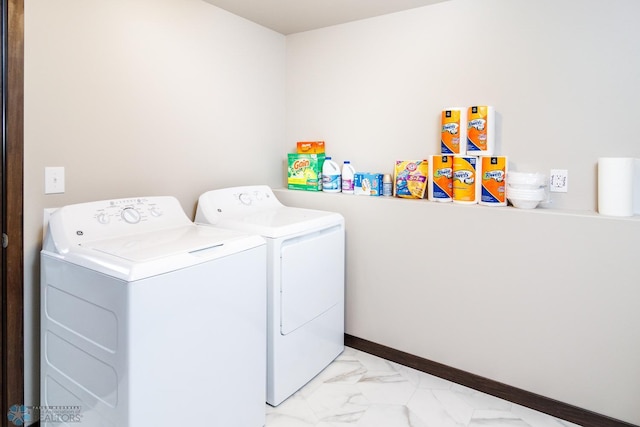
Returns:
point(53, 180)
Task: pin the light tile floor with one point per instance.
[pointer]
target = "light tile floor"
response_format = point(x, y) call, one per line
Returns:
point(362, 390)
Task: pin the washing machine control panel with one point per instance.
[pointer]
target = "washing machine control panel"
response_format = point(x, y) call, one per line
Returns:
point(113, 218)
point(130, 211)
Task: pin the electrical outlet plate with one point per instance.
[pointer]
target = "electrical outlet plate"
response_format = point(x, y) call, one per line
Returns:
point(559, 180)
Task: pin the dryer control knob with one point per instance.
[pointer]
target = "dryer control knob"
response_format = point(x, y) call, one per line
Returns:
point(245, 198)
point(130, 215)
point(103, 218)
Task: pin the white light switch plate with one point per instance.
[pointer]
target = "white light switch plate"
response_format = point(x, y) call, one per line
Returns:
point(53, 180)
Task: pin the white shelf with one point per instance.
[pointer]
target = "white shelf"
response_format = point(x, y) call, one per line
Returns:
point(423, 203)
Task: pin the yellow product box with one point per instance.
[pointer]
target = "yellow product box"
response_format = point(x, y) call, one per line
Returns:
point(304, 171)
point(310, 147)
point(410, 178)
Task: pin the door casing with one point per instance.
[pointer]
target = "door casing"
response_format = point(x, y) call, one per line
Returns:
point(12, 311)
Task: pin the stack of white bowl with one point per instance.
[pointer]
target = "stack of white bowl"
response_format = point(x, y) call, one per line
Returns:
point(525, 190)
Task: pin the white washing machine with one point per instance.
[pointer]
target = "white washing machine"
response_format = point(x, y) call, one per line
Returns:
point(150, 320)
point(305, 267)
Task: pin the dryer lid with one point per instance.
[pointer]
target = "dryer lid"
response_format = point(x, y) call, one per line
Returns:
point(283, 221)
point(256, 209)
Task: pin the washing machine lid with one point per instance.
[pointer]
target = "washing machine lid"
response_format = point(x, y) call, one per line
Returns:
point(146, 247)
point(284, 221)
point(137, 238)
point(150, 254)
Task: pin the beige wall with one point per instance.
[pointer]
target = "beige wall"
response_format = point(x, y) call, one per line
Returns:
point(542, 300)
point(146, 97)
point(562, 76)
point(178, 97)
point(557, 313)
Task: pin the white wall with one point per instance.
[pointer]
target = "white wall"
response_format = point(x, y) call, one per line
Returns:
point(145, 97)
point(563, 77)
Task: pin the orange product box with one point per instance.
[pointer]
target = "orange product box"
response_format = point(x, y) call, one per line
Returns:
point(310, 147)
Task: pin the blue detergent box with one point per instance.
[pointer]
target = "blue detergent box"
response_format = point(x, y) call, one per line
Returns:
point(367, 184)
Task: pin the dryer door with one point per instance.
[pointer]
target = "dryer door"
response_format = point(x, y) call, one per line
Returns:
point(312, 276)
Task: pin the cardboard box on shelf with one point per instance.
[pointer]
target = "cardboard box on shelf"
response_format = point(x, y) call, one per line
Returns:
point(367, 184)
point(310, 147)
point(304, 171)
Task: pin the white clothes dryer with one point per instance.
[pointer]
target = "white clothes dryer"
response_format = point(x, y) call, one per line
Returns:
point(150, 320)
point(305, 267)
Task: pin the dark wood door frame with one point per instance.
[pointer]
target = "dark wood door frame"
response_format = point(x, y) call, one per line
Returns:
point(12, 334)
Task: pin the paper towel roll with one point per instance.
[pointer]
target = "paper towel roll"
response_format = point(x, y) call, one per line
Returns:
point(636, 187)
point(615, 186)
point(440, 185)
point(453, 136)
point(466, 182)
point(481, 130)
point(493, 181)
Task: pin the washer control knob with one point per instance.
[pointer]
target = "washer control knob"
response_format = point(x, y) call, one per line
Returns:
point(245, 198)
point(103, 218)
point(130, 215)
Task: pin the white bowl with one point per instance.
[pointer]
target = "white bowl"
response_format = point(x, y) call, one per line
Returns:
point(524, 204)
point(526, 179)
point(537, 194)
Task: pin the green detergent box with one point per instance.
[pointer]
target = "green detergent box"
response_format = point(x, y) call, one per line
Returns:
point(304, 171)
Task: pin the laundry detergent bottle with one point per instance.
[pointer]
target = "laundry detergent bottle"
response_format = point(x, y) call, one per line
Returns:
point(331, 177)
point(347, 177)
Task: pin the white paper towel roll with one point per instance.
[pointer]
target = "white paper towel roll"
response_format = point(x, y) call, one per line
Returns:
point(636, 187)
point(616, 185)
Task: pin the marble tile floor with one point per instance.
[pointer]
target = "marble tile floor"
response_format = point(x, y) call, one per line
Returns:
point(362, 390)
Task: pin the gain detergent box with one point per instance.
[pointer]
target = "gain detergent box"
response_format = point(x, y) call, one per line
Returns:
point(304, 171)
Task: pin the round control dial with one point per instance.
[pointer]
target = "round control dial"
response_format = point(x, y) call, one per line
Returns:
point(103, 218)
point(245, 198)
point(155, 211)
point(130, 215)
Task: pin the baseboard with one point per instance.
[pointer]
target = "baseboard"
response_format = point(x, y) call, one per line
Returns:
point(534, 401)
